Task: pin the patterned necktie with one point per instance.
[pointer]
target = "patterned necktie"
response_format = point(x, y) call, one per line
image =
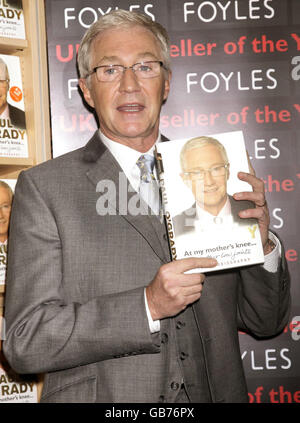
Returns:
point(149, 190)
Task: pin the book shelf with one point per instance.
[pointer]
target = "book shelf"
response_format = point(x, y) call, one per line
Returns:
point(33, 58)
point(12, 45)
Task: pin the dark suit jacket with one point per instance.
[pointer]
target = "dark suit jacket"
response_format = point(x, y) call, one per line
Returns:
point(75, 292)
point(17, 117)
point(179, 221)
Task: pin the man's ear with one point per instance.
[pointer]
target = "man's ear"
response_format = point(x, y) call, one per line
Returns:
point(86, 92)
point(228, 171)
point(167, 85)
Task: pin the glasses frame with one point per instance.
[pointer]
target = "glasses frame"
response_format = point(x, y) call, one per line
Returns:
point(94, 70)
point(198, 173)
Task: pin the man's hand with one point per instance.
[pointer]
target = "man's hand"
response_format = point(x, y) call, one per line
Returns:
point(171, 291)
point(260, 212)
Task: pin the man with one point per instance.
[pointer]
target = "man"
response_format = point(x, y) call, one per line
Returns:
point(7, 111)
point(100, 309)
point(205, 171)
point(6, 196)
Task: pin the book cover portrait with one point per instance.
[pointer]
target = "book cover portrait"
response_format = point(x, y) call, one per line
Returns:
point(198, 182)
point(13, 136)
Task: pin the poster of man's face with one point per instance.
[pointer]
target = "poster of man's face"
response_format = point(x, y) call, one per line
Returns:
point(205, 170)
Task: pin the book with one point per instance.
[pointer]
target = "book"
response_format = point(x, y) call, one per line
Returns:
point(15, 388)
point(198, 177)
point(12, 19)
point(13, 135)
point(6, 194)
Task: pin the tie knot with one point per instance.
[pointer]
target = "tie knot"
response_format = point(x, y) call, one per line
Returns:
point(146, 165)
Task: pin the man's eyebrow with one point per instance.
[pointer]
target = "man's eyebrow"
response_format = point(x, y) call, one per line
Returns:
point(109, 59)
point(195, 168)
point(146, 55)
point(212, 164)
point(117, 60)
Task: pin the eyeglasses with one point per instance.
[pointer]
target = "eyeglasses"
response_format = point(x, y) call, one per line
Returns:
point(143, 70)
point(214, 171)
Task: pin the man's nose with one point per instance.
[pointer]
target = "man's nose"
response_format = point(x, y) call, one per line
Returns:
point(129, 81)
point(208, 179)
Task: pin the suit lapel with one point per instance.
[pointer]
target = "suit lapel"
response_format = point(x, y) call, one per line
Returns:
point(103, 166)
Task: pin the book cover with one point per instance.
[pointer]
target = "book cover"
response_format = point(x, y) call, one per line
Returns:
point(12, 19)
point(7, 187)
point(13, 136)
point(16, 389)
point(198, 177)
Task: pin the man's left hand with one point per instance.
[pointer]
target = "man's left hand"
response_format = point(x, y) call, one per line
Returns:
point(260, 212)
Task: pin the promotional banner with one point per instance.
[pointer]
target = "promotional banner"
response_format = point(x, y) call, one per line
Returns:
point(236, 67)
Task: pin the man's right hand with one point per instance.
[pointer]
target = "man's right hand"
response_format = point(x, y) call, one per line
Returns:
point(171, 291)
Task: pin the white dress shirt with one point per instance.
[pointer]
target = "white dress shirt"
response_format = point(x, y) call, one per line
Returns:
point(127, 158)
point(271, 259)
point(205, 218)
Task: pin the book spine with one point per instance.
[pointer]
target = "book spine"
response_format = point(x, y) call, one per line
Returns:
point(164, 201)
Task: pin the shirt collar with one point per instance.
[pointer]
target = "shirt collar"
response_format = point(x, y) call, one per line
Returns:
point(127, 158)
point(225, 212)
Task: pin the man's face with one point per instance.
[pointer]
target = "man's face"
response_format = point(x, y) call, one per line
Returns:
point(128, 109)
point(211, 191)
point(3, 87)
point(5, 208)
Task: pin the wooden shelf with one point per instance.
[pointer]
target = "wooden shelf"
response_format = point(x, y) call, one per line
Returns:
point(19, 161)
point(12, 45)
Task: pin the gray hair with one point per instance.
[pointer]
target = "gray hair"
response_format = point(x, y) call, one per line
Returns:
point(200, 142)
point(8, 188)
point(120, 19)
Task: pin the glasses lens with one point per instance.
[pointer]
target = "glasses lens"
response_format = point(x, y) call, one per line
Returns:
point(109, 73)
point(142, 70)
point(218, 171)
point(214, 171)
point(147, 69)
point(195, 175)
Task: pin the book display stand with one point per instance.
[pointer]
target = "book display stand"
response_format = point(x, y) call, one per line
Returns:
point(32, 53)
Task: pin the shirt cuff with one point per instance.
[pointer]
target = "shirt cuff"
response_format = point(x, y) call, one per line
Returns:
point(154, 325)
point(271, 259)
